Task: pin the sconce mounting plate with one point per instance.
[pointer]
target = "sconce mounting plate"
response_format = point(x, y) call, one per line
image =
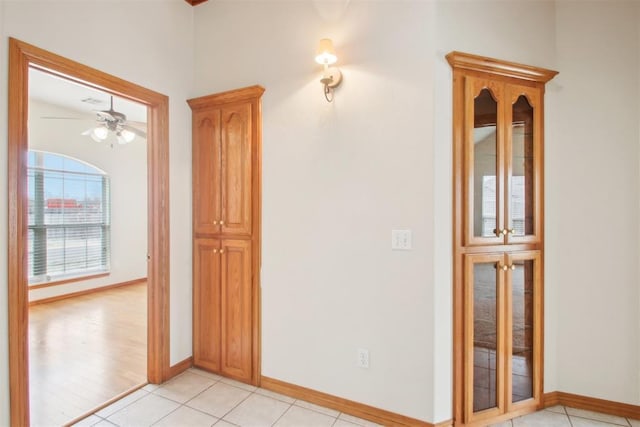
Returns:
point(332, 77)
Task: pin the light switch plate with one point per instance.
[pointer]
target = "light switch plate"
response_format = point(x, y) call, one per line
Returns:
point(401, 240)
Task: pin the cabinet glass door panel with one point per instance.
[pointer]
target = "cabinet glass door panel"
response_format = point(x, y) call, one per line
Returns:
point(484, 306)
point(485, 335)
point(523, 154)
point(522, 330)
point(524, 340)
point(484, 156)
point(522, 195)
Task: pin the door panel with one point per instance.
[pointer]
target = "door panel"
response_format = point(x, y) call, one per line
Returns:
point(206, 303)
point(523, 165)
point(524, 335)
point(236, 169)
point(236, 308)
point(484, 159)
point(484, 307)
point(206, 171)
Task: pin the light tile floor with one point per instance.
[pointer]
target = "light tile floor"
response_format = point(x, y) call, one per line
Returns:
point(197, 398)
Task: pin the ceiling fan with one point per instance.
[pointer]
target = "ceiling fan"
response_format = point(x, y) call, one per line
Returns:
point(116, 122)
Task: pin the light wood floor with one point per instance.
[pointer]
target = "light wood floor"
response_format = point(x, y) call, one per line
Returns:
point(84, 351)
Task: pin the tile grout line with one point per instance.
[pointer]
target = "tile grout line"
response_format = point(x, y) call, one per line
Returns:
point(283, 414)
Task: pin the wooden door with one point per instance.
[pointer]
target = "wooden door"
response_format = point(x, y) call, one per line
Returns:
point(484, 310)
point(236, 309)
point(523, 206)
point(206, 171)
point(484, 159)
point(236, 169)
point(523, 330)
point(206, 304)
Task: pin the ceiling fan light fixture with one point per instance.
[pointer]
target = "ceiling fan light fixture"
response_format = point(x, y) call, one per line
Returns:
point(99, 133)
point(127, 135)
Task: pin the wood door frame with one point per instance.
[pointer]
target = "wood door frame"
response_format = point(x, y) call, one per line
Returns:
point(23, 56)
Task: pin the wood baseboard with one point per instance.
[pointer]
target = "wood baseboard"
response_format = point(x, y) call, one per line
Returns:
point(591, 404)
point(180, 367)
point(88, 291)
point(343, 405)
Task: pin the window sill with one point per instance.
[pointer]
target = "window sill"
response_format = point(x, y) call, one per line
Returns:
point(68, 280)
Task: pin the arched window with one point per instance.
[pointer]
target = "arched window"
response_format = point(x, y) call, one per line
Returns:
point(69, 218)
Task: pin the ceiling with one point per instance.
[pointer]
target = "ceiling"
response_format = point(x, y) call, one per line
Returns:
point(57, 91)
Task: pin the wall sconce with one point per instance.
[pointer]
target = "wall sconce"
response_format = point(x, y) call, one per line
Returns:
point(332, 76)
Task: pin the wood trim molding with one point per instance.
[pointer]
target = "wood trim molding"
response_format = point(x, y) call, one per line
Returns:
point(23, 56)
point(180, 367)
point(104, 405)
point(483, 64)
point(350, 407)
point(244, 94)
point(195, 2)
point(87, 291)
point(591, 404)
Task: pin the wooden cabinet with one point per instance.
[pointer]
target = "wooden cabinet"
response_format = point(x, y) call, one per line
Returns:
point(498, 237)
point(226, 233)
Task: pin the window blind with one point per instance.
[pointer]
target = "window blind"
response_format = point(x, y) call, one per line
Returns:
point(68, 218)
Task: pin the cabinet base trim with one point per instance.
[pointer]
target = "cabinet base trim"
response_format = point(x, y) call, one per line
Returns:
point(350, 407)
point(591, 404)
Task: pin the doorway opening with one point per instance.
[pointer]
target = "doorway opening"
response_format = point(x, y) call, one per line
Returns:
point(87, 246)
point(22, 59)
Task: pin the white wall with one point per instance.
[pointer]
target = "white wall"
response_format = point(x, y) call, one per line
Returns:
point(126, 166)
point(148, 43)
point(593, 192)
point(337, 178)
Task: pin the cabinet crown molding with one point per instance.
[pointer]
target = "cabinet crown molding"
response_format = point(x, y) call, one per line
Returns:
point(227, 97)
point(483, 64)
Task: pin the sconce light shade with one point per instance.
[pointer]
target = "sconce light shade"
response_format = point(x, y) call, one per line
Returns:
point(331, 78)
point(326, 54)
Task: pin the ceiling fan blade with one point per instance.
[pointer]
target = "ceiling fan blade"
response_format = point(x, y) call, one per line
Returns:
point(135, 130)
point(136, 123)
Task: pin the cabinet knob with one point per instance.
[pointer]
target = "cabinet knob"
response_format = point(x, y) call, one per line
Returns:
point(512, 266)
point(215, 251)
point(505, 268)
point(221, 222)
point(221, 251)
point(511, 231)
point(215, 222)
point(497, 232)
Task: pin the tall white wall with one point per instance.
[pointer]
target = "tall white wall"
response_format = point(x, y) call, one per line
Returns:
point(148, 43)
point(593, 192)
point(337, 178)
point(126, 166)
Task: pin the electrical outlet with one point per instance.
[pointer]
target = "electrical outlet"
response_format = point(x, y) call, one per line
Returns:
point(363, 358)
point(401, 240)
